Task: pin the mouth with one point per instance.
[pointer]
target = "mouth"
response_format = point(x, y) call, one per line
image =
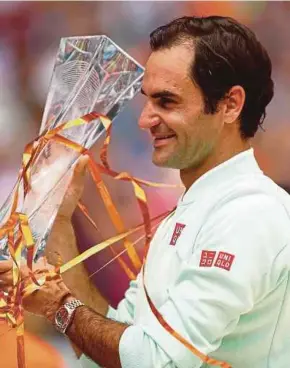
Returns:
point(163, 140)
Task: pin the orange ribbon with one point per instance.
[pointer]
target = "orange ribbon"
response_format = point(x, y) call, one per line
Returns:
point(205, 358)
point(141, 197)
point(24, 238)
point(18, 233)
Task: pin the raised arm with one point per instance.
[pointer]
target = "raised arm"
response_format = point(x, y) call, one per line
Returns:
point(62, 242)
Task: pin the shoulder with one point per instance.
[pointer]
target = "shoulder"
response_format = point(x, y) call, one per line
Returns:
point(254, 214)
point(253, 197)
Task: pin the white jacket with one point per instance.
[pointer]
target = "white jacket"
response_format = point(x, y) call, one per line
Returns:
point(217, 270)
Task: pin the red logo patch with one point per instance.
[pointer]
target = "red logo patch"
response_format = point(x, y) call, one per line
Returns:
point(177, 232)
point(224, 260)
point(207, 258)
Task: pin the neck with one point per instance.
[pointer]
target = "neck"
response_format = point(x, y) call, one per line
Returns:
point(189, 175)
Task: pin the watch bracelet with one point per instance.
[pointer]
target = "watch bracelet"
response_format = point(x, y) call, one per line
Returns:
point(71, 306)
point(74, 304)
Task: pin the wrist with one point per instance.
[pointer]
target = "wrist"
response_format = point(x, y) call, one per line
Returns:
point(63, 219)
point(68, 299)
point(64, 298)
point(65, 315)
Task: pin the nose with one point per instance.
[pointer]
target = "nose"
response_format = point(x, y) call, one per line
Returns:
point(148, 117)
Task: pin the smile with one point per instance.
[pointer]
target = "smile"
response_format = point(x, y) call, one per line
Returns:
point(161, 141)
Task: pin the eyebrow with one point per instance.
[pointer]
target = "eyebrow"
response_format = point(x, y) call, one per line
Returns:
point(164, 93)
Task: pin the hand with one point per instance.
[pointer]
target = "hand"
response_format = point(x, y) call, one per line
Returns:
point(74, 191)
point(47, 299)
point(6, 280)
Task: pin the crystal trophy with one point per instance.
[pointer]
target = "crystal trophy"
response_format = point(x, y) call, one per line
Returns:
point(91, 74)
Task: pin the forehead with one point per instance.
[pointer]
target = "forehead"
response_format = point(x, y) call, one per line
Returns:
point(168, 69)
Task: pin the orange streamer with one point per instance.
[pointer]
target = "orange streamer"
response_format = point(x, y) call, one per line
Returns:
point(18, 233)
point(206, 359)
point(24, 238)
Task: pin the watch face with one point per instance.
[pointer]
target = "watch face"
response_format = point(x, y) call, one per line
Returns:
point(61, 316)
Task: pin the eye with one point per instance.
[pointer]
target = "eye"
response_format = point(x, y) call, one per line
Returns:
point(165, 102)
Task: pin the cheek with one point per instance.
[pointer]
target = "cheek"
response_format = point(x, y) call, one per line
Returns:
point(171, 118)
point(188, 124)
point(188, 127)
point(176, 121)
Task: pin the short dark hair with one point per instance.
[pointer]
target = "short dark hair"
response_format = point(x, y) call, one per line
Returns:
point(227, 53)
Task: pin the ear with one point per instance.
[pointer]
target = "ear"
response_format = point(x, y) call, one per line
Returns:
point(233, 104)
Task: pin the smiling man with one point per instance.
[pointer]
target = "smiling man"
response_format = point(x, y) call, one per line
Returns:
point(215, 288)
point(186, 135)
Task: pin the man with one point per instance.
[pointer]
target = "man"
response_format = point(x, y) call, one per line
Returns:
point(218, 267)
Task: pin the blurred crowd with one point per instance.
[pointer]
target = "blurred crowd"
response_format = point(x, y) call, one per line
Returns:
point(29, 38)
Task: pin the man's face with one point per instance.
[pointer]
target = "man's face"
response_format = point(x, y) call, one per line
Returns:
point(183, 136)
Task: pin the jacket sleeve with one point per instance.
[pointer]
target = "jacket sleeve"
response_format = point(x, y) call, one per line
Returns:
point(228, 272)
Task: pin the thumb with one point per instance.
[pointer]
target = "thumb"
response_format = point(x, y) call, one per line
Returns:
point(77, 178)
point(6, 266)
point(75, 188)
point(78, 174)
point(81, 165)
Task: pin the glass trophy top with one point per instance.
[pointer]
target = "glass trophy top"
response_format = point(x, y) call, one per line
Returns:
point(91, 74)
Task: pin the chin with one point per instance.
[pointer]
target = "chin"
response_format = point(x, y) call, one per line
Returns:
point(158, 163)
point(165, 163)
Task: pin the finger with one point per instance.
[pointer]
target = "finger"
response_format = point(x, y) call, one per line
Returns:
point(74, 190)
point(77, 180)
point(38, 281)
point(53, 277)
point(6, 279)
point(78, 174)
point(41, 263)
point(6, 265)
point(7, 289)
point(40, 272)
point(81, 165)
point(48, 267)
point(27, 276)
point(25, 271)
point(79, 171)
